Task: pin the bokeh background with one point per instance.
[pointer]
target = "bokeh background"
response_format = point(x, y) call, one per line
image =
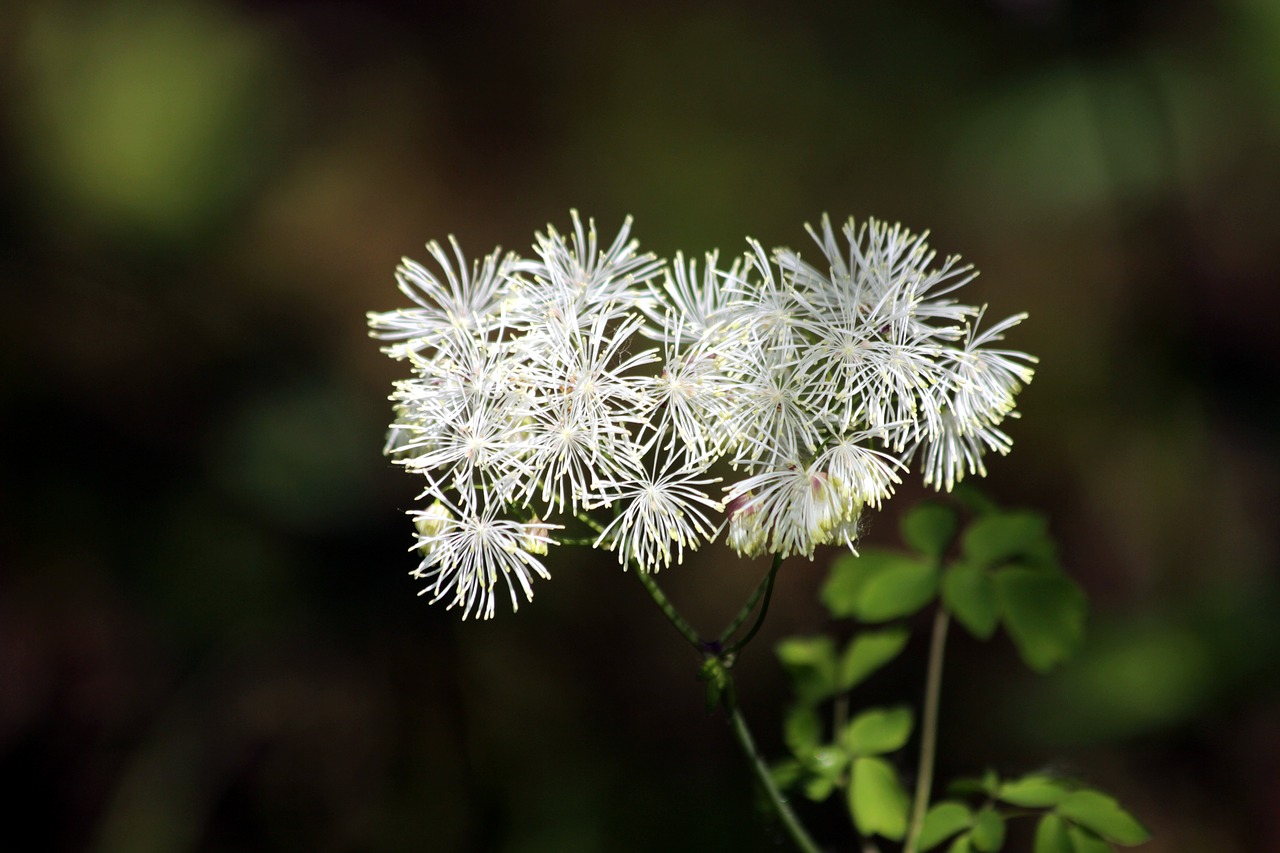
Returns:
point(208, 639)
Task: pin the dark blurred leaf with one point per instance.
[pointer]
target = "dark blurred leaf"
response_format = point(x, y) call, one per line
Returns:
point(996, 539)
point(1051, 836)
point(1033, 791)
point(879, 585)
point(1044, 613)
point(988, 831)
point(867, 652)
point(826, 766)
point(1102, 815)
point(970, 786)
point(1084, 841)
point(942, 821)
point(802, 731)
point(970, 595)
point(929, 528)
point(787, 774)
point(811, 662)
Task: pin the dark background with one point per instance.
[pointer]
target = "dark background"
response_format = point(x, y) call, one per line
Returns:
point(208, 640)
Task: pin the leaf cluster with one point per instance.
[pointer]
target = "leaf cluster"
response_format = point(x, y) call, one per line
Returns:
point(1000, 571)
point(1072, 818)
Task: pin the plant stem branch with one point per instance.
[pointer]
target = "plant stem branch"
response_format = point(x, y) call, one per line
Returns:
point(788, 817)
point(764, 607)
point(929, 729)
point(669, 610)
point(765, 588)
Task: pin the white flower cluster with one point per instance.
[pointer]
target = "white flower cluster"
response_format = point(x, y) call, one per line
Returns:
point(533, 402)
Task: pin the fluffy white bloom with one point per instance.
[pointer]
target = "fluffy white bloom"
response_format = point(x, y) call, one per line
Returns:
point(465, 553)
point(662, 510)
point(457, 306)
point(791, 510)
point(532, 398)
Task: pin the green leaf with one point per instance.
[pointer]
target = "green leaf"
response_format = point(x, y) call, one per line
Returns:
point(1084, 841)
point(879, 585)
point(998, 538)
point(802, 731)
point(826, 766)
point(787, 774)
point(1044, 613)
point(845, 580)
point(1051, 836)
point(878, 731)
point(818, 788)
point(811, 662)
point(972, 786)
point(988, 831)
point(970, 594)
point(942, 821)
point(1102, 815)
point(961, 845)
point(877, 800)
point(1033, 791)
point(929, 528)
point(867, 652)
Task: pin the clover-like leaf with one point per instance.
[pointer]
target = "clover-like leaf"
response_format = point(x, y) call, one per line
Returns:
point(1051, 836)
point(1084, 841)
point(811, 662)
point(969, 594)
point(968, 786)
point(826, 766)
point(877, 800)
point(787, 774)
point(1000, 537)
point(988, 831)
point(929, 528)
point(1044, 613)
point(879, 585)
point(942, 821)
point(867, 652)
point(878, 731)
point(802, 731)
point(1033, 791)
point(1103, 816)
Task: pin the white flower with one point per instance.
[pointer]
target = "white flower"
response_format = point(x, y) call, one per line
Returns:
point(465, 553)
point(693, 307)
point(528, 397)
point(664, 509)
point(791, 510)
point(574, 278)
point(459, 305)
point(695, 399)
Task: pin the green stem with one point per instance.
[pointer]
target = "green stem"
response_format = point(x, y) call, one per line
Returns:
point(788, 817)
point(929, 727)
point(669, 610)
point(739, 725)
point(765, 587)
point(764, 607)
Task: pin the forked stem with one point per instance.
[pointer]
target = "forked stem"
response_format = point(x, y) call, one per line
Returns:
point(765, 589)
point(741, 733)
point(669, 610)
